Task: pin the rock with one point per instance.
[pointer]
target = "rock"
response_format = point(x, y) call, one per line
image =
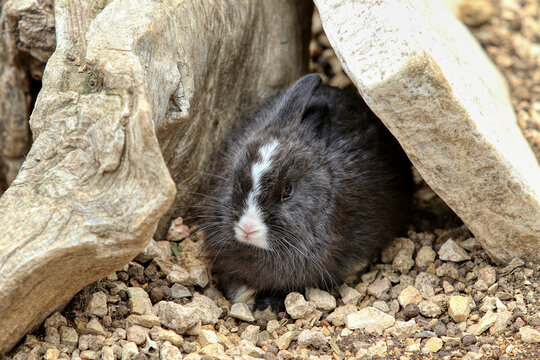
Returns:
point(349, 295)
point(51, 354)
point(158, 333)
point(150, 252)
point(381, 305)
point(403, 261)
point(485, 323)
point(180, 291)
point(168, 351)
point(68, 336)
point(447, 287)
point(179, 275)
point(429, 309)
point(379, 349)
point(97, 304)
point(403, 329)
point(475, 12)
point(136, 334)
point(434, 344)
point(52, 336)
point(177, 231)
point(339, 316)
point(411, 310)
point(471, 244)
point(529, 335)
point(120, 334)
point(129, 350)
point(139, 301)
point(468, 340)
point(198, 275)
point(247, 348)
point(176, 317)
point(425, 283)
point(425, 257)
point(164, 248)
point(107, 353)
point(148, 321)
point(458, 308)
point(251, 333)
point(486, 277)
point(89, 355)
point(273, 325)
point(311, 338)
point(392, 250)
point(206, 308)
point(241, 311)
point(284, 340)
point(207, 337)
point(213, 350)
point(95, 327)
point(55, 320)
point(451, 251)
point(322, 299)
point(372, 320)
point(379, 287)
point(297, 307)
point(92, 342)
point(471, 149)
point(409, 295)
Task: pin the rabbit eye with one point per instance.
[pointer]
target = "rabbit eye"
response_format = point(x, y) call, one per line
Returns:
point(287, 192)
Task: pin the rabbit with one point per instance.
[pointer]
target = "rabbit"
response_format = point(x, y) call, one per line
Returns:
point(311, 183)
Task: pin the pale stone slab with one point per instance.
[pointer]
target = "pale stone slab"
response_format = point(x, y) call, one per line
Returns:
point(429, 81)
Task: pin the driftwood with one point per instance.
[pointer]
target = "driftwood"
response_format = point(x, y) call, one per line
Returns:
point(26, 43)
point(136, 94)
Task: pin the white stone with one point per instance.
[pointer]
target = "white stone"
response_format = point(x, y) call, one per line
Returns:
point(421, 71)
point(409, 295)
point(349, 295)
point(176, 317)
point(434, 344)
point(129, 350)
point(529, 335)
point(372, 320)
point(97, 304)
point(425, 257)
point(322, 299)
point(207, 337)
point(485, 322)
point(168, 351)
point(458, 308)
point(241, 311)
point(297, 306)
point(311, 338)
point(450, 251)
point(139, 301)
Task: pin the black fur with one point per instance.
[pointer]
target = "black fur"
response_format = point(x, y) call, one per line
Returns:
point(352, 191)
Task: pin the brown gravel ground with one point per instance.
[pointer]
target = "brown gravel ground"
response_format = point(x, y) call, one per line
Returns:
point(103, 321)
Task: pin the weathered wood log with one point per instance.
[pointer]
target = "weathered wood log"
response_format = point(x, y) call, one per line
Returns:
point(95, 182)
point(27, 41)
point(427, 78)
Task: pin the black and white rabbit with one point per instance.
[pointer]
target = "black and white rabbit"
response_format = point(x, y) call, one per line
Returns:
point(311, 183)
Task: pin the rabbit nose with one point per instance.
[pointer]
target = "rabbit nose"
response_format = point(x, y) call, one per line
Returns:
point(249, 226)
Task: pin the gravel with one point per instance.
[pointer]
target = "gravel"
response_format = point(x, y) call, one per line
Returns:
point(432, 294)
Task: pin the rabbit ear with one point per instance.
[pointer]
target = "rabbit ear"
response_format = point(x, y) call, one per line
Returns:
point(295, 100)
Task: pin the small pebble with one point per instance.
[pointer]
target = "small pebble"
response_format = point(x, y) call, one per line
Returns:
point(241, 311)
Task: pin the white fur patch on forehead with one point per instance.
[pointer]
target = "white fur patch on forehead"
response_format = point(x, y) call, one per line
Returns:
point(250, 228)
point(260, 167)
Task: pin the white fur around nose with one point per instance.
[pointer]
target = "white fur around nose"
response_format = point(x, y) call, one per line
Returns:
point(252, 219)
